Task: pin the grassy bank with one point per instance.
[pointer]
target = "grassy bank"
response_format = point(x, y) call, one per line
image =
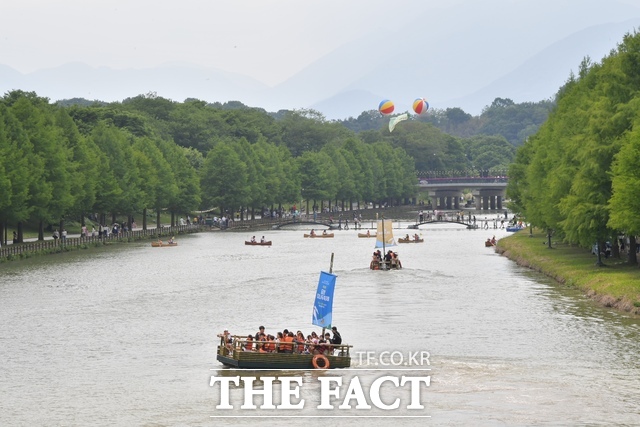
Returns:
point(616, 284)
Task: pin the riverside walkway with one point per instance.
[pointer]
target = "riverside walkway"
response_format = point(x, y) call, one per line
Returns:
point(49, 244)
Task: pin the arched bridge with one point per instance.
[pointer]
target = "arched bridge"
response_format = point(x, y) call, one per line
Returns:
point(329, 225)
point(470, 226)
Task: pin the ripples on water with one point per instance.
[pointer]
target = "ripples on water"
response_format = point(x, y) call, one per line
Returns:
point(126, 335)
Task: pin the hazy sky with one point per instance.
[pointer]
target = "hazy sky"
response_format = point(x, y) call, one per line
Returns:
point(279, 37)
point(270, 40)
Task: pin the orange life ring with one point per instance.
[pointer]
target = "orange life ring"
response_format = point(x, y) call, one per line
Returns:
point(322, 365)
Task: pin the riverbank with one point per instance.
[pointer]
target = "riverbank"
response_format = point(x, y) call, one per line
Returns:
point(616, 284)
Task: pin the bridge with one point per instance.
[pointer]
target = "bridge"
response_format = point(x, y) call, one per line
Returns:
point(469, 225)
point(445, 192)
point(329, 225)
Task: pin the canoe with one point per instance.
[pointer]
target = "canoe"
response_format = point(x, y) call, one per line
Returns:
point(163, 244)
point(401, 240)
point(366, 235)
point(319, 235)
point(257, 243)
point(514, 228)
point(489, 244)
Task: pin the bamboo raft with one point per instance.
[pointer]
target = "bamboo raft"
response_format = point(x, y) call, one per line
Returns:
point(237, 357)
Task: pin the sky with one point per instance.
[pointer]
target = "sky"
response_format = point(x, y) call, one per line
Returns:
point(269, 40)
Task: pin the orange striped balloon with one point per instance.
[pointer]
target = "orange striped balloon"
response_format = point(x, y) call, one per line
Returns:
point(386, 107)
point(420, 106)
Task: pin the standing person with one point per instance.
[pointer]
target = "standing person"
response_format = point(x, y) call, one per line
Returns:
point(15, 237)
point(64, 234)
point(337, 338)
point(55, 235)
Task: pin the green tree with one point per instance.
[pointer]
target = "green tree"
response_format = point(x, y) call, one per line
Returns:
point(224, 180)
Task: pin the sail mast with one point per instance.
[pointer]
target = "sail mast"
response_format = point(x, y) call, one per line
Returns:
point(383, 238)
point(330, 271)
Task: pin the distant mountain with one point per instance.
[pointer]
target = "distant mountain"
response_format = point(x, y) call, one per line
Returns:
point(536, 79)
point(544, 73)
point(172, 81)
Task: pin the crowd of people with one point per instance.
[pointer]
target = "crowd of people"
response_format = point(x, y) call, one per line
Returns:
point(285, 342)
point(391, 260)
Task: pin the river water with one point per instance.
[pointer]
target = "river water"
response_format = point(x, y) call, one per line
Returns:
point(126, 336)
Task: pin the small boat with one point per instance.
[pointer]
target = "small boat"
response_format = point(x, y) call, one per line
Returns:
point(384, 238)
point(366, 235)
point(410, 240)
point(163, 244)
point(319, 235)
point(236, 354)
point(489, 243)
point(249, 243)
point(515, 227)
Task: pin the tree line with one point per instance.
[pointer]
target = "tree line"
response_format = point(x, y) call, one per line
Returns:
point(61, 163)
point(578, 176)
point(70, 159)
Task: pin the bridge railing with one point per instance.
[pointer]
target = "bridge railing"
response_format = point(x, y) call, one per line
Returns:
point(465, 179)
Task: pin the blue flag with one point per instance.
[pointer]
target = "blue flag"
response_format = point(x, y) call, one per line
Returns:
point(324, 300)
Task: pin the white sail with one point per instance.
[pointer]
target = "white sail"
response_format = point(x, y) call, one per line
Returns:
point(384, 234)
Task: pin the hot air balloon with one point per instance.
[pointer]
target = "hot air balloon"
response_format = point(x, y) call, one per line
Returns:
point(386, 107)
point(420, 106)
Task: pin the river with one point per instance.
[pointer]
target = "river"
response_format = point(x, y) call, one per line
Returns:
point(126, 336)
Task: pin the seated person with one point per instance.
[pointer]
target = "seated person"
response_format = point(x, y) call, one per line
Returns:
point(309, 346)
point(416, 237)
point(321, 348)
point(270, 345)
point(286, 343)
point(406, 237)
point(300, 343)
point(368, 233)
point(262, 240)
point(324, 232)
point(312, 232)
point(253, 239)
point(171, 240)
point(248, 346)
point(327, 339)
